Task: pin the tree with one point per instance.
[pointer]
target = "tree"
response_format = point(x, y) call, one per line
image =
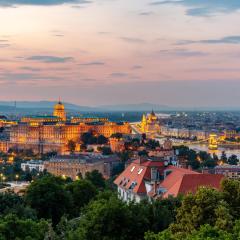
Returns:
point(88, 138)
point(224, 157)
point(9, 201)
point(233, 160)
point(231, 194)
point(125, 156)
point(101, 139)
point(96, 178)
point(82, 192)
point(200, 209)
point(71, 146)
point(49, 198)
point(143, 153)
point(106, 151)
point(117, 135)
point(12, 227)
point(192, 159)
point(108, 220)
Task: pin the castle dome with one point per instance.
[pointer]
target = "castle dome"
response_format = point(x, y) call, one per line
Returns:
point(59, 106)
point(59, 111)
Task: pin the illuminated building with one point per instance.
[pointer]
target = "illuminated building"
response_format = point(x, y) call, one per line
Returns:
point(229, 171)
point(36, 165)
point(230, 133)
point(150, 123)
point(59, 111)
point(4, 146)
point(116, 144)
point(52, 133)
point(75, 165)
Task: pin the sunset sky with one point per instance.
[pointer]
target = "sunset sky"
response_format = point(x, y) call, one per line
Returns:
point(94, 52)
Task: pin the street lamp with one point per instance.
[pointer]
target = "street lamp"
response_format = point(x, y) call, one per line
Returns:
point(17, 177)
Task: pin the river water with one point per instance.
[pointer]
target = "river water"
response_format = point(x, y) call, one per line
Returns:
point(204, 147)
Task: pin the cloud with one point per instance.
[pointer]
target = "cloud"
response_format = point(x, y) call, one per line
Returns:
point(214, 69)
point(181, 52)
point(49, 59)
point(32, 69)
point(132, 40)
point(4, 45)
point(118, 74)
point(13, 3)
point(94, 63)
point(204, 7)
point(25, 77)
point(224, 40)
point(145, 13)
point(137, 67)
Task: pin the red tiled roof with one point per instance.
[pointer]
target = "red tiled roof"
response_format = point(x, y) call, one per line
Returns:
point(175, 175)
point(178, 181)
point(136, 173)
point(191, 182)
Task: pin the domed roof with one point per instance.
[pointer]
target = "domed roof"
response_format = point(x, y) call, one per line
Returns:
point(59, 106)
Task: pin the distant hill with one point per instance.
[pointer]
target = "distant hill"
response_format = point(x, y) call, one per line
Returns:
point(40, 105)
point(136, 107)
point(37, 107)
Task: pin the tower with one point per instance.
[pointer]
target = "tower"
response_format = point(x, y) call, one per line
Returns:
point(59, 111)
point(144, 123)
point(213, 143)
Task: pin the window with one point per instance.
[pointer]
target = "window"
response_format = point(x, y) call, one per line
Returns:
point(132, 168)
point(140, 170)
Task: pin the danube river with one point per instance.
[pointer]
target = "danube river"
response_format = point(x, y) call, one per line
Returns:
point(204, 147)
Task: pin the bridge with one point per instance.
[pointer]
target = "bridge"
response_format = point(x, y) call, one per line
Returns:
point(213, 142)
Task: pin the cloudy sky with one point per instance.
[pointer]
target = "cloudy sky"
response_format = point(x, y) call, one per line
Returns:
point(93, 52)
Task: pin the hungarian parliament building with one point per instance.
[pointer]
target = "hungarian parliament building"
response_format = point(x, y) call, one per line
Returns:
point(52, 133)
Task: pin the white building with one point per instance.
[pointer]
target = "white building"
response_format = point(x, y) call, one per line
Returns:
point(33, 165)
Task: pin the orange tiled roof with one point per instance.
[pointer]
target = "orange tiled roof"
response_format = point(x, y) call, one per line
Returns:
point(135, 174)
point(191, 182)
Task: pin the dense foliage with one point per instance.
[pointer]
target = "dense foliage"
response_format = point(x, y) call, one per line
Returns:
point(55, 208)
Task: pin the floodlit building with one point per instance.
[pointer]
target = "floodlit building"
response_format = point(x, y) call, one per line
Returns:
point(52, 133)
point(33, 165)
point(74, 165)
point(150, 123)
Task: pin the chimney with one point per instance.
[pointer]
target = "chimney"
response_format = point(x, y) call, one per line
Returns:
point(142, 159)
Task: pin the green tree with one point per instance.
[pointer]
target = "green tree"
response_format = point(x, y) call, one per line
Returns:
point(71, 146)
point(49, 198)
point(106, 219)
point(101, 139)
point(233, 160)
point(96, 178)
point(117, 135)
point(82, 192)
point(207, 206)
point(106, 151)
point(224, 157)
point(12, 227)
point(231, 194)
point(88, 138)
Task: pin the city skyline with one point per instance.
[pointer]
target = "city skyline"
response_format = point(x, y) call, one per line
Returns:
point(177, 53)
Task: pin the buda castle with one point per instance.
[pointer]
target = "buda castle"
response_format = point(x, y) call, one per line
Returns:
point(52, 133)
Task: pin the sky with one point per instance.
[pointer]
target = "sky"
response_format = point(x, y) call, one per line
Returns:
point(101, 52)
